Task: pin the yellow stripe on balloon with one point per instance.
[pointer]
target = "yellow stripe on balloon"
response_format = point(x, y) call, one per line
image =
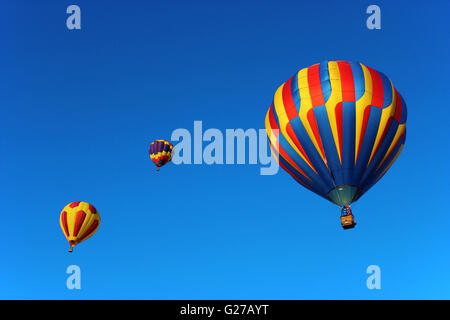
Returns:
point(283, 119)
point(400, 131)
point(62, 226)
point(305, 106)
point(268, 127)
point(93, 231)
point(274, 146)
point(159, 154)
point(390, 164)
point(90, 218)
point(70, 222)
point(361, 105)
point(283, 122)
point(386, 114)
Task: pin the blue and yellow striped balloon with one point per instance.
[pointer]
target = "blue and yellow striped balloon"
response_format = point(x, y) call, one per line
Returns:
point(338, 127)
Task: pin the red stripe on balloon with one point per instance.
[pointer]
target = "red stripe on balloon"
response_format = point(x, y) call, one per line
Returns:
point(79, 219)
point(312, 122)
point(347, 82)
point(64, 223)
point(89, 231)
point(273, 122)
point(74, 204)
point(400, 140)
point(294, 176)
point(398, 107)
point(92, 209)
point(160, 158)
point(315, 88)
point(377, 89)
point(388, 124)
point(284, 154)
point(297, 143)
point(288, 101)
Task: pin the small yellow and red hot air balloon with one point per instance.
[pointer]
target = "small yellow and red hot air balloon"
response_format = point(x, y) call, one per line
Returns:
point(160, 152)
point(79, 220)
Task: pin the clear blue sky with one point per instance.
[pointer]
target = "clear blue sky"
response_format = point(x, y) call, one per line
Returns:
point(80, 108)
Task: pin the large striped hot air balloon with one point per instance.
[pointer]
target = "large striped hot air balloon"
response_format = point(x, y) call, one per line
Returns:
point(160, 152)
point(79, 220)
point(338, 127)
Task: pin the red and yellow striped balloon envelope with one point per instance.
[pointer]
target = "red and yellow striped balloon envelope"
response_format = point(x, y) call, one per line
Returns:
point(79, 221)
